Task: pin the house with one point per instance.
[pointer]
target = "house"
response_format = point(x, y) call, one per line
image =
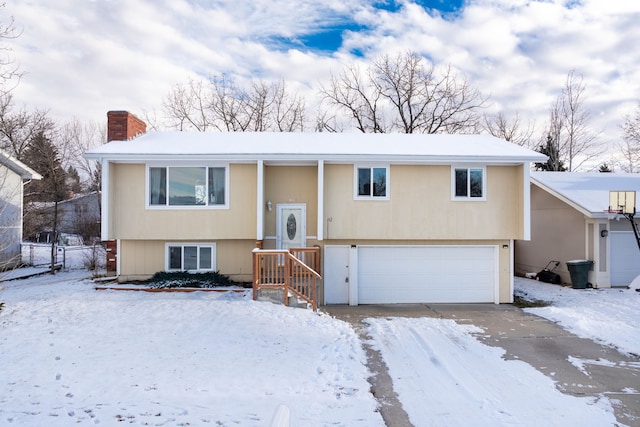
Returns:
point(78, 219)
point(398, 218)
point(13, 175)
point(569, 222)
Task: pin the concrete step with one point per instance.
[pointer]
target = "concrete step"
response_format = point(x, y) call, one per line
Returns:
point(277, 296)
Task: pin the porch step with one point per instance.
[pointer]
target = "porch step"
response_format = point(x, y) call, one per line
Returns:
point(276, 296)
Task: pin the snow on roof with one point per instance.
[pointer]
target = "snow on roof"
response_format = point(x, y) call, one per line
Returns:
point(314, 146)
point(17, 166)
point(588, 191)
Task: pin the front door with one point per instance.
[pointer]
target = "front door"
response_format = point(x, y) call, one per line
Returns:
point(291, 227)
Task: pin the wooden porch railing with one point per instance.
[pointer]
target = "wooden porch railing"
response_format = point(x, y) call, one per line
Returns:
point(281, 269)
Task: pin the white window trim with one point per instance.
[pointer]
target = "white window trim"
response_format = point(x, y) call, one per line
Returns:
point(371, 166)
point(199, 245)
point(468, 198)
point(187, 207)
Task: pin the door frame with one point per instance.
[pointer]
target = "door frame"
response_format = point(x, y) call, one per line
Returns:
point(329, 286)
point(303, 216)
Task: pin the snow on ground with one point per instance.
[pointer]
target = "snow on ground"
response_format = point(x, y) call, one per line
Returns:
point(446, 377)
point(610, 316)
point(74, 355)
point(69, 257)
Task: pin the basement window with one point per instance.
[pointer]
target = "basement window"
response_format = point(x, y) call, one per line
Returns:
point(193, 257)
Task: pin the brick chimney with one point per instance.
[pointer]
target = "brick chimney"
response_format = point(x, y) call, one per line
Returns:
point(123, 126)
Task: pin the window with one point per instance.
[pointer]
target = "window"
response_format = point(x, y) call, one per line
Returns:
point(468, 183)
point(187, 186)
point(371, 182)
point(191, 257)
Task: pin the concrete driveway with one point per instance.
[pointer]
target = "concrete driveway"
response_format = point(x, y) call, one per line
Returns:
point(532, 339)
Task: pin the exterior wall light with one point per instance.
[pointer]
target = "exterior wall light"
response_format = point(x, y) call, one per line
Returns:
point(269, 205)
point(604, 233)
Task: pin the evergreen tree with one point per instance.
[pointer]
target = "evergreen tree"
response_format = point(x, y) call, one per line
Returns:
point(73, 180)
point(552, 151)
point(43, 156)
point(604, 168)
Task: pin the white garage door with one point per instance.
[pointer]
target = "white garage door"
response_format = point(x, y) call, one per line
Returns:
point(625, 258)
point(426, 274)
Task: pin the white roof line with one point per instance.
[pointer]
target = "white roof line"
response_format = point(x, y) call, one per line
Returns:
point(568, 201)
point(271, 146)
point(18, 167)
point(587, 192)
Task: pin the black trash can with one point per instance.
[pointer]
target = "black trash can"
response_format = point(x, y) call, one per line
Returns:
point(579, 272)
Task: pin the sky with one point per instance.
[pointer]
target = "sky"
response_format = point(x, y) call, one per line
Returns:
point(83, 58)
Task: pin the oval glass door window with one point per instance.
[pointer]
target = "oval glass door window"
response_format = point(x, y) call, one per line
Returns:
point(291, 226)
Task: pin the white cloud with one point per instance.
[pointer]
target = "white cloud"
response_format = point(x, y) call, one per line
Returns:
point(84, 58)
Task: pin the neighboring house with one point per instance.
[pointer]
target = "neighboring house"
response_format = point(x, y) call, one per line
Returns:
point(399, 218)
point(569, 222)
point(13, 175)
point(78, 219)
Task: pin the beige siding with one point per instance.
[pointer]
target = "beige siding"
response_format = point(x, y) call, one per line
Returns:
point(140, 259)
point(291, 184)
point(132, 220)
point(420, 206)
point(557, 233)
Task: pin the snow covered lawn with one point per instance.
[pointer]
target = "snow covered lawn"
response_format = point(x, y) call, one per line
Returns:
point(71, 355)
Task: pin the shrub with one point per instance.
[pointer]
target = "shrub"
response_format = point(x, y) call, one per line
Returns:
point(96, 259)
point(522, 302)
point(184, 279)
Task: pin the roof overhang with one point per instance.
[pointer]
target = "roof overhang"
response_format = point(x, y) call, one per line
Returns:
point(312, 147)
point(587, 213)
point(25, 172)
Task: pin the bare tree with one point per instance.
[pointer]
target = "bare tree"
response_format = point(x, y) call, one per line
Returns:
point(510, 130)
point(9, 70)
point(553, 147)
point(569, 125)
point(75, 138)
point(18, 127)
point(630, 147)
point(219, 104)
point(404, 94)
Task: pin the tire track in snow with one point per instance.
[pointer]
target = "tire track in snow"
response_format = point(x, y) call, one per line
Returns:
point(446, 377)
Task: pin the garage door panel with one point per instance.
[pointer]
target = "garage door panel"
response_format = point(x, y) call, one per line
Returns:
point(426, 274)
point(625, 265)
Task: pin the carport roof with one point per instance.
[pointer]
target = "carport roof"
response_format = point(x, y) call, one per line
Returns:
point(588, 192)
